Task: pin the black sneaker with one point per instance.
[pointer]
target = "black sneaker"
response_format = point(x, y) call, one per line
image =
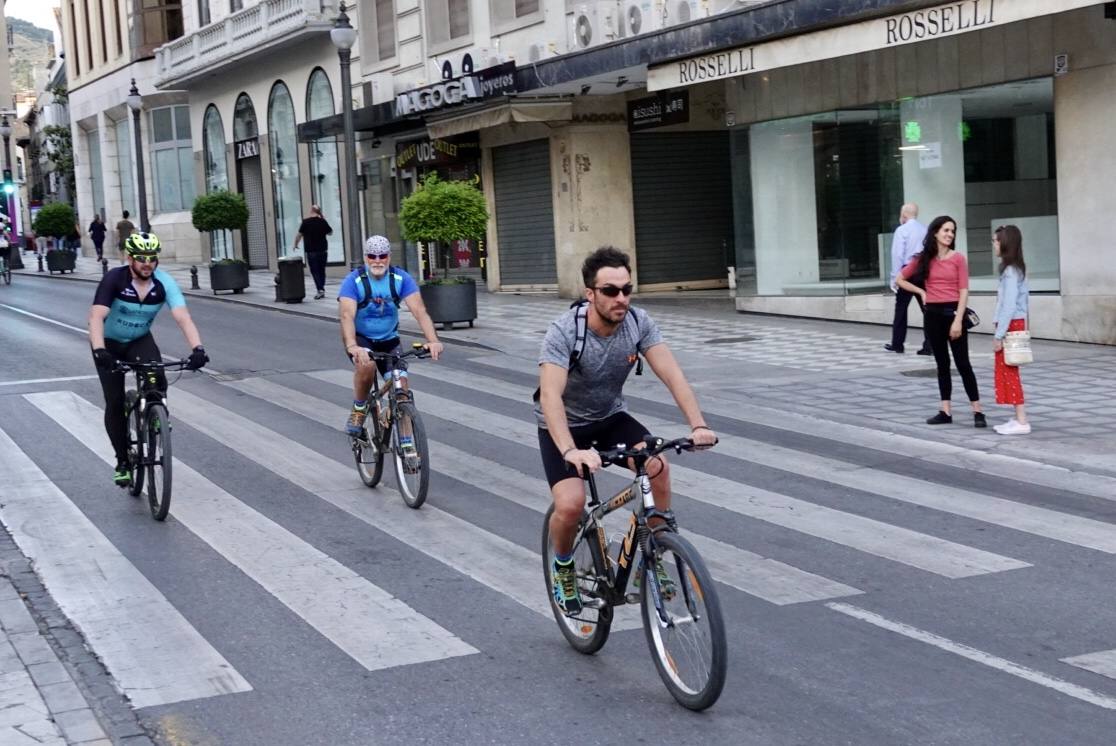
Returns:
point(979, 420)
point(941, 418)
point(122, 476)
point(894, 348)
point(925, 351)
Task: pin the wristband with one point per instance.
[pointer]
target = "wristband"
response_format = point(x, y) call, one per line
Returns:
point(699, 427)
point(571, 448)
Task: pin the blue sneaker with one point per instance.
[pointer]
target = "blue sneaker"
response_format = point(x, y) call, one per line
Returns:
point(566, 593)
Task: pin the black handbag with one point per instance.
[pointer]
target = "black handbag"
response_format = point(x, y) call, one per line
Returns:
point(971, 319)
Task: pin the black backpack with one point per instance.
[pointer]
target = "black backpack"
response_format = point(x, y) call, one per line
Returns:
point(581, 328)
point(367, 283)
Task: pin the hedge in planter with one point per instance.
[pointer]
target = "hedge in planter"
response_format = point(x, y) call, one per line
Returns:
point(56, 221)
point(60, 260)
point(223, 211)
point(228, 274)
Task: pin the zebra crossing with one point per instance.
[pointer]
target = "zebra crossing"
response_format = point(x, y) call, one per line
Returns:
point(158, 656)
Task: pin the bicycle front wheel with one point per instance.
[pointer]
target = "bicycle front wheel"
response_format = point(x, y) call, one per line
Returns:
point(412, 465)
point(588, 631)
point(159, 461)
point(687, 640)
point(368, 450)
point(137, 438)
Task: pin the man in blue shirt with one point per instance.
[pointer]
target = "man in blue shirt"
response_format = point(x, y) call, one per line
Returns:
point(124, 308)
point(369, 310)
point(906, 243)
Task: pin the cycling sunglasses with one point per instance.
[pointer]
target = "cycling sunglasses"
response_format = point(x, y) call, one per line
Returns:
point(611, 291)
point(145, 258)
point(378, 255)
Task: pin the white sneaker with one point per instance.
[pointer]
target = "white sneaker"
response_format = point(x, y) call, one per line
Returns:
point(1013, 427)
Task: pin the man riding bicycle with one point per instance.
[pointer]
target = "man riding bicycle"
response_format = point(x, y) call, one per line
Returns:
point(124, 308)
point(586, 356)
point(369, 301)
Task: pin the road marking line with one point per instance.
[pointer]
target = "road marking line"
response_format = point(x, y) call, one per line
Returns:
point(153, 652)
point(1101, 662)
point(44, 318)
point(977, 656)
point(28, 381)
point(922, 551)
point(366, 622)
point(765, 578)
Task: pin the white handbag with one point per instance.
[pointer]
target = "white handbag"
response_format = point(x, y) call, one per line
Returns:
point(1017, 348)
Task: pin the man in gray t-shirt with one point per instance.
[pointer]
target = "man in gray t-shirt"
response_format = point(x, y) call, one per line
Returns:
point(581, 401)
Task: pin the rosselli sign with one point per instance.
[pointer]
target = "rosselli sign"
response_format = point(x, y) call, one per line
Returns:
point(488, 83)
point(947, 19)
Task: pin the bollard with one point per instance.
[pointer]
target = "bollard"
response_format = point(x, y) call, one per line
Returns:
point(104, 267)
point(40, 257)
point(194, 277)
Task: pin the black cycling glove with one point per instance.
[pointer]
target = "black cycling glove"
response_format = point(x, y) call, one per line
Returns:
point(197, 359)
point(103, 359)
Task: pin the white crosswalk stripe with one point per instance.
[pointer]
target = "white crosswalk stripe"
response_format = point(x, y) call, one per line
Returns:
point(765, 578)
point(155, 654)
point(376, 629)
point(939, 556)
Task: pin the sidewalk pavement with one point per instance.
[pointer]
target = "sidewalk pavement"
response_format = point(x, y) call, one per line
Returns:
point(804, 369)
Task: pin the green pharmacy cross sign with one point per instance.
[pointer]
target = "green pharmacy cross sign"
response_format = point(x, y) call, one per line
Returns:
point(912, 132)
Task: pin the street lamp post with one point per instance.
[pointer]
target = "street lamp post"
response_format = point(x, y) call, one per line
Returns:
point(135, 103)
point(343, 36)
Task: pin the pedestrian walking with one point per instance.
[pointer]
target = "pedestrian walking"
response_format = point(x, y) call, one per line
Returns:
point(1012, 306)
point(945, 295)
point(73, 241)
point(313, 230)
point(905, 244)
point(124, 228)
point(97, 231)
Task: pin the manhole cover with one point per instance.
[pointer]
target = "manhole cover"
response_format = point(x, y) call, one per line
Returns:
point(921, 373)
point(729, 340)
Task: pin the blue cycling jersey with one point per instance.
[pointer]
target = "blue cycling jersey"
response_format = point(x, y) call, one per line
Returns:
point(130, 318)
point(379, 320)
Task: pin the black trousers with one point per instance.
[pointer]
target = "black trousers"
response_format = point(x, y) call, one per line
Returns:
point(100, 247)
point(899, 324)
point(939, 318)
point(139, 350)
point(317, 262)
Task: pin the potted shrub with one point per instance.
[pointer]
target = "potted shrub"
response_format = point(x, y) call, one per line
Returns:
point(438, 213)
point(223, 211)
point(56, 221)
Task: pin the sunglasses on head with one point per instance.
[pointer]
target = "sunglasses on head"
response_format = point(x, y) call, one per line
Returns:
point(145, 258)
point(611, 291)
point(378, 255)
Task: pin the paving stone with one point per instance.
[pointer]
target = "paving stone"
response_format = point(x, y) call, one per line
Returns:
point(51, 672)
point(15, 618)
point(79, 725)
point(32, 648)
point(13, 736)
point(63, 697)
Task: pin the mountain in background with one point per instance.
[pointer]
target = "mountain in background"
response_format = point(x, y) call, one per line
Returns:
point(30, 52)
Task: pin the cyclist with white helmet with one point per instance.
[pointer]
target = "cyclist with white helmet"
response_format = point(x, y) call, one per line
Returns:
point(369, 310)
point(124, 308)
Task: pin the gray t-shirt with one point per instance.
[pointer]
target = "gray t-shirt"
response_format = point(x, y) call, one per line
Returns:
point(594, 389)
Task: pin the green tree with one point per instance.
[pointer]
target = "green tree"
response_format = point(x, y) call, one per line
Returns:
point(442, 212)
point(55, 220)
point(219, 211)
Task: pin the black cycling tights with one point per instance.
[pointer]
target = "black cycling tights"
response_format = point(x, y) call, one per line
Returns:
point(144, 350)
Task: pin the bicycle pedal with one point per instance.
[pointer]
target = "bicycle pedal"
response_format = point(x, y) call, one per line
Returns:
point(631, 598)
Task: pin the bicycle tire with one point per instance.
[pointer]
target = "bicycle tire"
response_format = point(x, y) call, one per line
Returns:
point(7, 274)
point(137, 438)
point(692, 580)
point(589, 631)
point(159, 462)
point(369, 451)
point(412, 482)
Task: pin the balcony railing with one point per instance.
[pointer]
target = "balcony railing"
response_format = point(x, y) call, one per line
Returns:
point(269, 24)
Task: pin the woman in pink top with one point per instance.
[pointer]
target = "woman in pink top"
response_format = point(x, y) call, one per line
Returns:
point(945, 276)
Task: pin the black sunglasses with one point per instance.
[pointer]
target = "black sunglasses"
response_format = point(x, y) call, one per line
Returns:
point(611, 291)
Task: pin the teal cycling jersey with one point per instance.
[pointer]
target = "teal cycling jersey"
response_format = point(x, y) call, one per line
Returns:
point(130, 318)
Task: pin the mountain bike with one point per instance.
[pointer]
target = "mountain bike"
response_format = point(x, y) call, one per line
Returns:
point(392, 418)
point(681, 612)
point(149, 433)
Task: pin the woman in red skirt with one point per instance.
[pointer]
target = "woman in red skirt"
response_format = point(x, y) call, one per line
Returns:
point(1011, 316)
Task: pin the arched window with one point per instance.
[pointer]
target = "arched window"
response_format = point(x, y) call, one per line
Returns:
point(325, 174)
point(244, 119)
point(216, 173)
point(284, 165)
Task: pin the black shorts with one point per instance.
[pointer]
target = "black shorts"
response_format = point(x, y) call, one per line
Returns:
point(608, 433)
point(383, 345)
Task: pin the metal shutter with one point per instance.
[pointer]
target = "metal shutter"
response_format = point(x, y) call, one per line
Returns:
point(525, 213)
point(255, 235)
point(682, 190)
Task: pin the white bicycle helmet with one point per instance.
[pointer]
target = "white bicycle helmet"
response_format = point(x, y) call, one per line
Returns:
point(377, 245)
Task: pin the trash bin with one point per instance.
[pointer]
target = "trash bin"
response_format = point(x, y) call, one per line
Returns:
point(290, 283)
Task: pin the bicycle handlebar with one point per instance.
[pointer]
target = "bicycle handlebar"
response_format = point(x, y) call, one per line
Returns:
point(652, 446)
point(123, 366)
point(417, 352)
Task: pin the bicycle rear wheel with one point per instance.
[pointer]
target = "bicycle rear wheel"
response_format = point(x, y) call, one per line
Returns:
point(588, 631)
point(137, 438)
point(689, 648)
point(412, 471)
point(368, 449)
point(159, 461)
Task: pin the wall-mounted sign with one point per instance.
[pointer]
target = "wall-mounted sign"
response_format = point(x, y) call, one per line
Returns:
point(947, 19)
point(671, 107)
point(488, 83)
point(436, 152)
point(249, 148)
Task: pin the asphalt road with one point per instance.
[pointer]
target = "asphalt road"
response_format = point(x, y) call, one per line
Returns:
point(871, 598)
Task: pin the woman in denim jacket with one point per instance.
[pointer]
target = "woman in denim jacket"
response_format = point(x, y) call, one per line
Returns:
point(1011, 316)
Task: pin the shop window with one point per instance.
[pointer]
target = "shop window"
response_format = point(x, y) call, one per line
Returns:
point(216, 174)
point(325, 171)
point(244, 119)
point(172, 158)
point(125, 142)
point(448, 23)
point(284, 166)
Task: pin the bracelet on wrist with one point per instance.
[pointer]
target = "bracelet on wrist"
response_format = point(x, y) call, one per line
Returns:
point(699, 427)
point(571, 448)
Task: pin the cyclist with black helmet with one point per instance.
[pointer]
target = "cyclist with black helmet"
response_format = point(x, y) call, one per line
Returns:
point(124, 307)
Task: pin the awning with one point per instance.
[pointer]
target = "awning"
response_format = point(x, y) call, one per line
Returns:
point(519, 111)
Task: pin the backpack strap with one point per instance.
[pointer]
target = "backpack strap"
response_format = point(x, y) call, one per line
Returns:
point(393, 286)
point(639, 350)
point(367, 284)
point(581, 328)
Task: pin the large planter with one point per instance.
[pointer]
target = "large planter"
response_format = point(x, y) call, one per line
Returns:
point(451, 302)
point(60, 261)
point(232, 276)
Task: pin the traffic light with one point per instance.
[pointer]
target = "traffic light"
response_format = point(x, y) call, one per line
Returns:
point(9, 185)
